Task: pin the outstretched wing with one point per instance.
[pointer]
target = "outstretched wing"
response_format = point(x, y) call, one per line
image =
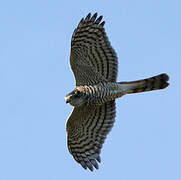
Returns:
point(87, 128)
point(92, 58)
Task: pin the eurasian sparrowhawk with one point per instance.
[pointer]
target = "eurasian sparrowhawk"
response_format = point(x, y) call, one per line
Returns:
point(94, 64)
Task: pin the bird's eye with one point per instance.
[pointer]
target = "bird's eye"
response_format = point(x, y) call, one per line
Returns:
point(77, 94)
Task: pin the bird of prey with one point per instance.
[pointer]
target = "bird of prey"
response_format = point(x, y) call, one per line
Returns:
point(94, 64)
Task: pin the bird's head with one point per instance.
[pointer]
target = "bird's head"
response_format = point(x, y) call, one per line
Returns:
point(75, 98)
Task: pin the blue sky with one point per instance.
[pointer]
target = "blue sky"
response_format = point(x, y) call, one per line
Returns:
point(35, 76)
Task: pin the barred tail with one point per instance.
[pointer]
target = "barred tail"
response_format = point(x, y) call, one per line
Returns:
point(149, 84)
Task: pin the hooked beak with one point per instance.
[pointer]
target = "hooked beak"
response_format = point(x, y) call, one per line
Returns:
point(67, 100)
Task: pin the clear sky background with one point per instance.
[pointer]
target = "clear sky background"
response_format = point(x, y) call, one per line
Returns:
point(145, 143)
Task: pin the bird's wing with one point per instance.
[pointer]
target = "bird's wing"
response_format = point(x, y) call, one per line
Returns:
point(91, 53)
point(87, 128)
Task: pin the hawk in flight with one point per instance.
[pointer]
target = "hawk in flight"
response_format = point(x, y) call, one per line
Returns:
point(94, 64)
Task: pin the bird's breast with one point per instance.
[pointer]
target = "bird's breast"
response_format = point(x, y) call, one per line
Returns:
point(100, 93)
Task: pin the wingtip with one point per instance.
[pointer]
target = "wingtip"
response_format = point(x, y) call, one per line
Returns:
point(102, 23)
point(88, 17)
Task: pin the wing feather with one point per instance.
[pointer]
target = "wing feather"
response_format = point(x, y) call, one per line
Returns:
point(87, 128)
point(91, 48)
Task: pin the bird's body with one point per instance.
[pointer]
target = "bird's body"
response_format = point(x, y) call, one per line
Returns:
point(94, 64)
point(103, 92)
point(99, 93)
